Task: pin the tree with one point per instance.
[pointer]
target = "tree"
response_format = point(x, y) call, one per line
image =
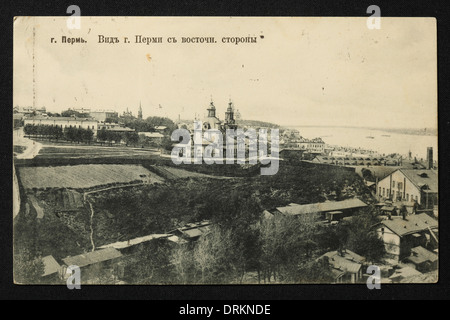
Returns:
point(166, 143)
point(130, 138)
point(213, 259)
point(28, 269)
point(183, 264)
point(367, 174)
point(87, 135)
point(151, 264)
point(216, 257)
point(102, 135)
point(70, 134)
point(313, 272)
point(362, 238)
point(286, 242)
point(114, 119)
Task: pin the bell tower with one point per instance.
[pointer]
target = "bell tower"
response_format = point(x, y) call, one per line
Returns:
point(211, 110)
point(229, 115)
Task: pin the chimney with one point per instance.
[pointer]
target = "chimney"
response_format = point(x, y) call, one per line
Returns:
point(430, 158)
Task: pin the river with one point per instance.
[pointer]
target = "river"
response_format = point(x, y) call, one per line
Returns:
point(383, 142)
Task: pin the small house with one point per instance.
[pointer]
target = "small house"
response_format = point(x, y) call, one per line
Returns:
point(401, 234)
point(346, 265)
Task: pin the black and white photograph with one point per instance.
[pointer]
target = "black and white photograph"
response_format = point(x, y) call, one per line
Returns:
point(225, 150)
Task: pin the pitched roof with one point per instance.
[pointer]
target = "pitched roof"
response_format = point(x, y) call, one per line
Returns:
point(152, 134)
point(197, 231)
point(50, 266)
point(412, 224)
point(194, 230)
point(296, 209)
point(62, 118)
point(133, 242)
point(119, 129)
point(422, 177)
point(93, 257)
point(347, 262)
point(420, 255)
point(404, 273)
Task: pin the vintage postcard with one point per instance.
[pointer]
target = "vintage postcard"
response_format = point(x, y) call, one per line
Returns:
point(225, 150)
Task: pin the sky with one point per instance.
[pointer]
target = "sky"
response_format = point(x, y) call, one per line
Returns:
point(301, 71)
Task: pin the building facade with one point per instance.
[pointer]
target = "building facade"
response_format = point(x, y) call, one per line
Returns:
point(102, 115)
point(410, 185)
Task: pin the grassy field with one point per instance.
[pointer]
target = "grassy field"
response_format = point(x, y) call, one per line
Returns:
point(81, 151)
point(83, 176)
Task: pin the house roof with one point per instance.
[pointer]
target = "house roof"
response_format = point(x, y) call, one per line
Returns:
point(267, 214)
point(420, 255)
point(93, 257)
point(296, 209)
point(347, 262)
point(62, 119)
point(412, 224)
point(422, 177)
point(50, 266)
point(133, 242)
point(152, 134)
point(193, 233)
point(404, 273)
point(193, 230)
point(430, 277)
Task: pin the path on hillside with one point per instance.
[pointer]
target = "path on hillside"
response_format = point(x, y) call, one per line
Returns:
point(32, 147)
point(31, 151)
point(117, 187)
point(91, 221)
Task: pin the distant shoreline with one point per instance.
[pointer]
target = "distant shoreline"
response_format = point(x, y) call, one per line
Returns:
point(409, 131)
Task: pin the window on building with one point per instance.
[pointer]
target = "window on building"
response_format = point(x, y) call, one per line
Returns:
point(379, 191)
point(407, 197)
point(393, 184)
point(384, 191)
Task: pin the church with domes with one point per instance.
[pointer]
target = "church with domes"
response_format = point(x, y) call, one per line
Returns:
point(213, 122)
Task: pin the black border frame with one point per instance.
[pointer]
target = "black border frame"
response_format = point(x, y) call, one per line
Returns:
point(437, 9)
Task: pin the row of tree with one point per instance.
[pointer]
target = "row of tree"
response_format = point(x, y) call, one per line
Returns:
point(86, 135)
point(54, 132)
point(130, 137)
